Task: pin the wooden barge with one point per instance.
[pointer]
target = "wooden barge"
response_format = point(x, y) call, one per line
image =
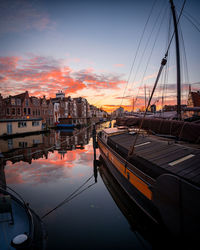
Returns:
point(162, 177)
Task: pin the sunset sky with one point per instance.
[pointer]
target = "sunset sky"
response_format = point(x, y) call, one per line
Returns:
point(88, 47)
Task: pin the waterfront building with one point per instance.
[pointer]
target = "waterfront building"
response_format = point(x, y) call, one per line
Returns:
point(47, 111)
point(118, 112)
point(24, 114)
point(20, 126)
point(193, 99)
point(193, 104)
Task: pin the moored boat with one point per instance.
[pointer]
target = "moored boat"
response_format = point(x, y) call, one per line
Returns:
point(162, 177)
point(158, 172)
point(20, 226)
point(65, 126)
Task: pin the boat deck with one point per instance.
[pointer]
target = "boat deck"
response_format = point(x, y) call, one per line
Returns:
point(9, 231)
point(160, 156)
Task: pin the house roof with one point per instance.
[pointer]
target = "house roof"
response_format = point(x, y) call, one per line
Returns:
point(20, 96)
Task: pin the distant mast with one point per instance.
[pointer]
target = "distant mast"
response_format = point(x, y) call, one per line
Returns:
point(177, 62)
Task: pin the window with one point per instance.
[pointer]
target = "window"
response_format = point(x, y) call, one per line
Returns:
point(8, 111)
point(25, 111)
point(26, 102)
point(18, 102)
point(10, 144)
point(21, 124)
point(13, 111)
point(23, 144)
point(18, 111)
point(12, 101)
point(36, 141)
point(35, 123)
point(29, 111)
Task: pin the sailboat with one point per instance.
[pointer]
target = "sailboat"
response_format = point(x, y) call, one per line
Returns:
point(162, 177)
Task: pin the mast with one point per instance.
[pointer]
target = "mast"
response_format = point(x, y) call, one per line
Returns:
point(177, 62)
point(145, 96)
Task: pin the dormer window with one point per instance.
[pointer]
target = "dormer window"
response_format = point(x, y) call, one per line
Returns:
point(19, 102)
point(12, 101)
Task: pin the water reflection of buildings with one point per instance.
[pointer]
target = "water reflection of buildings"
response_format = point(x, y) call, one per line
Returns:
point(71, 140)
point(33, 147)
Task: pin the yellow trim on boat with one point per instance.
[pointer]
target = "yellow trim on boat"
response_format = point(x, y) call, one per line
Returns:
point(133, 179)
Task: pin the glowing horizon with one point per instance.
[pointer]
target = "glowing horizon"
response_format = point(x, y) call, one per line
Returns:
point(89, 51)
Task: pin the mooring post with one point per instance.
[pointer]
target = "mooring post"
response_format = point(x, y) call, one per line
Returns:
point(94, 140)
point(94, 147)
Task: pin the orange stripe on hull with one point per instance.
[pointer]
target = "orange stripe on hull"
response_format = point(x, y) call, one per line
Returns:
point(133, 179)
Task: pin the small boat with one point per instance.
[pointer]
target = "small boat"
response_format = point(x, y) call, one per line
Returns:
point(65, 126)
point(65, 123)
point(20, 226)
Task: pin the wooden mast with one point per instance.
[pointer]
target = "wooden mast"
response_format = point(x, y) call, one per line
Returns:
point(177, 62)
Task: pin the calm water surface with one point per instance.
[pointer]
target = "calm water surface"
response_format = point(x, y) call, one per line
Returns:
point(47, 168)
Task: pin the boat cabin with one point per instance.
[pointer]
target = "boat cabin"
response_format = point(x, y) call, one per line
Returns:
point(105, 133)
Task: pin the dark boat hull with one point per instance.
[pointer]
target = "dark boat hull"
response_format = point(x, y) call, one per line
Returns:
point(25, 221)
point(168, 199)
point(141, 200)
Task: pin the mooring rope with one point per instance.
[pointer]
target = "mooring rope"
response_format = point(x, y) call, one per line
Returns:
point(71, 196)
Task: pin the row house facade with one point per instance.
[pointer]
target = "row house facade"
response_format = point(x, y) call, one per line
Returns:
point(193, 104)
point(23, 106)
point(76, 109)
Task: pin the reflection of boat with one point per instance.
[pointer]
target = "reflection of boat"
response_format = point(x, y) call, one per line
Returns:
point(20, 227)
point(65, 123)
point(161, 176)
point(138, 222)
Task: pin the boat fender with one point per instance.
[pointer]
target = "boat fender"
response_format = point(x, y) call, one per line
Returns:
point(19, 241)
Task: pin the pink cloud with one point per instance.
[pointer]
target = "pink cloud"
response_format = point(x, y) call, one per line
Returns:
point(120, 65)
point(45, 75)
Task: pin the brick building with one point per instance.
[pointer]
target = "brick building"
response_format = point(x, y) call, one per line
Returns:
point(193, 99)
point(23, 106)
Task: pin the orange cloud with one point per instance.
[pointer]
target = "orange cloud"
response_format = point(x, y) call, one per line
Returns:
point(45, 76)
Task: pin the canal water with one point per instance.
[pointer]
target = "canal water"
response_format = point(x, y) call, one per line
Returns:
point(57, 170)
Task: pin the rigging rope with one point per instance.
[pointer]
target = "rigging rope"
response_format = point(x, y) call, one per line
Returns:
point(71, 196)
point(189, 17)
point(148, 60)
point(164, 90)
point(163, 62)
point(137, 50)
point(185, 66)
